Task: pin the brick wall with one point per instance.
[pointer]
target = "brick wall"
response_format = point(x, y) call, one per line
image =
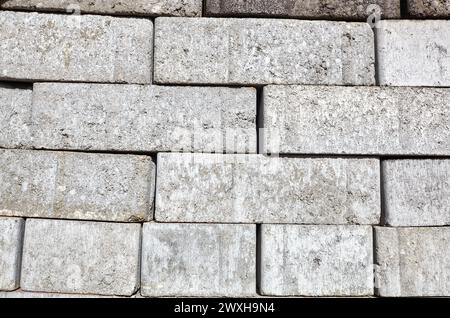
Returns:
point(224, 148)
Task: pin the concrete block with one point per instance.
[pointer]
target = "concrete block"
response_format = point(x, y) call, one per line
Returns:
point(312, 9)
point(11, 234)
point(99, 187)
point(414, 53)
point(417, 192)
point(81, 257)
point(429, 8)
point(316, 260)
point(356, 120)
point(263, 51)
point(257, 189)
point(412, 262)
point(198, 260)
point(111, 7)
point(15, 117)
point(20, 294)
point(144, 118)
point(51, 47)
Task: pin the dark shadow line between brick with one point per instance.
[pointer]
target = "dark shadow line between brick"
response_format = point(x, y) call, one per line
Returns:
point(259, 119)
point(258, 258)
point(404, 14)
point(383, 205)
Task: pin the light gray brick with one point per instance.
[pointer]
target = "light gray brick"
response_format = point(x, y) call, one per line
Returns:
point(310, 9)
point(198, 260)
point(257, 189)
point(19, 294)
point(263, 51)
point(65, 185)
point(414, 53)
point(316, 260)
point(356, 120)
point(144, 118)
point(83, 48)
point(15, 116)
point(412, 262)
point(11, 234)
point(81, 257)
point(113, 7)
point(417, 192)
point(429, 8)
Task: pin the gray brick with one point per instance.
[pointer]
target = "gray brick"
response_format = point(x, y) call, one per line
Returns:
point(414, 53)
point(74, 48)
point(113, 7)
point(356, 120)
point(257, 189)
point(311, 9)
point(429, 8)
point(263, 51)
point(15, 115)
point(412, 261)
point(11, 233)
point(33, 295)
point(316, 260)
point(99, 187)
point(81, 257)
point(198, 260)
point(417, 192)
point(144, 118)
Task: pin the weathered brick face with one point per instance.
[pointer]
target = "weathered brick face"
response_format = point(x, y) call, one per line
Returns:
point(189, 148)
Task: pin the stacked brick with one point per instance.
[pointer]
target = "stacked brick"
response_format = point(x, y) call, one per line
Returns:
point(149, 151)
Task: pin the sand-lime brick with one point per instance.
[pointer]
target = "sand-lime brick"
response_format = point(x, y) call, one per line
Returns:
point(356, 120)
point(66, 185)
point(314, 260)
point(258, 189)
point(207, 260)
point(75, 48)
point(144, 118)
point(412, 262)
point(81, 257)
point(11, 235)
point(262, 51)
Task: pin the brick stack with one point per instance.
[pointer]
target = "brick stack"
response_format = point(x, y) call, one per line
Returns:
point(149, 150)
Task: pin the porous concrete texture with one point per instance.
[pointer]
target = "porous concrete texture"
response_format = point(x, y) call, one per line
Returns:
point(198, 260)
point(15, 116)
point(33, 295)
point(417, 192)
point(356, 120)
point(262, 51)
point(429, 8)
point(412, 261)
point(144, 118)
point(50, 47)
point(311, 9)
point(113, 7)
point(101, 187)
point(413, 53)
point(81, 257)
point(258, 189)
point(11, 234)
point(314, 260)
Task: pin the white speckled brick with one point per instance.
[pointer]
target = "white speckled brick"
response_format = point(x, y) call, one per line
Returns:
point(11, 234)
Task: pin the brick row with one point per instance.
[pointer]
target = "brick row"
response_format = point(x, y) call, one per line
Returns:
point(76, 185)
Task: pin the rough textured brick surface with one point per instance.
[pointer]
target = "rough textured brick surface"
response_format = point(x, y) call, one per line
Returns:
point(429, 8)
point(417, 192)
point(11, 233)
point(262, 51)
point(356, 120)
point(144, 118)
point(15, 113)
point(81, 257)
point(76, 186)
point(414, 53)
point(119, 7)
point(316, 260)
point(74, 48)
point(413, 261)
point(315, 9)
point(28, 295)
point(198, 260)
point(257, 189)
